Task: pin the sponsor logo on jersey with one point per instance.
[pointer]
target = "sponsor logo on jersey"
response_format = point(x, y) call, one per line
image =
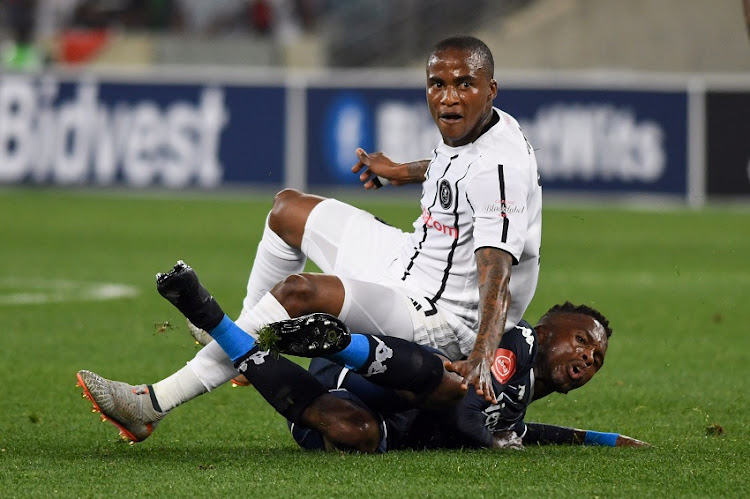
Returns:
point(446, 194)
point(504, 365)
point(434, 224)
point(504, 207)
point(528, 335)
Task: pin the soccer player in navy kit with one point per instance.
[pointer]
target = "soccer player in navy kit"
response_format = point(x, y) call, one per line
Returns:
point(457, 282)
point(562, 353)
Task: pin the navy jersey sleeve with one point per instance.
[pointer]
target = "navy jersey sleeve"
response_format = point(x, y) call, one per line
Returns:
point(475, 419)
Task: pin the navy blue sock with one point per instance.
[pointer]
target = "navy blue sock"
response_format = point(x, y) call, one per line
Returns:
point(392, 362)
point(233, 340)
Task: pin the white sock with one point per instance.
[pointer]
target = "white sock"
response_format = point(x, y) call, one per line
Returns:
point(180, 387)
point(274, 260)
point(267, 310)
point(211, 367)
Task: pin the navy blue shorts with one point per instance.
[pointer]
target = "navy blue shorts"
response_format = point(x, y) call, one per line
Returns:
point(392, 413)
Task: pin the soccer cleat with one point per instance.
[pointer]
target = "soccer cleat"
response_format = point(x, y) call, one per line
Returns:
point(202, 338)
point(127, 407)
point(183, 290)
point(307, 336)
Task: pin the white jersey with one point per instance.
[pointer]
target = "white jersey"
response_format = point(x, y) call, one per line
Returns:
point(483, 194)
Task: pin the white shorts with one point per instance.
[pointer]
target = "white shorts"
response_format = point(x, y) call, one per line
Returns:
point(363, 252)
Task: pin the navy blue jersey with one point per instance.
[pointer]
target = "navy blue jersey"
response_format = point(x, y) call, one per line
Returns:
point(473, 421)
point(469, 424)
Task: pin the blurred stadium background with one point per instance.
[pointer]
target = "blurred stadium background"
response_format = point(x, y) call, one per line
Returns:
point(622, 99)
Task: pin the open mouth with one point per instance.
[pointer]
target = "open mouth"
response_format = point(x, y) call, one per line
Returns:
point(575, 372)
point(451, 117)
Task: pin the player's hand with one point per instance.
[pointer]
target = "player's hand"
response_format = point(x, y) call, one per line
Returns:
point(507, 439)
point(625, 441)
point(475, 371)
point(375, 169)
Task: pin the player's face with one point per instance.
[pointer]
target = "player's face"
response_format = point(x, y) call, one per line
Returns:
point(459, 94)
point(575, 351)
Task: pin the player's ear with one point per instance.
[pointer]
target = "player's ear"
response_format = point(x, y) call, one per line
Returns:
point(493, 89)
point(543, 332)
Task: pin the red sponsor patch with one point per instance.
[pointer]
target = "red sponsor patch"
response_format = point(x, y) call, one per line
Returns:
point(504, 366)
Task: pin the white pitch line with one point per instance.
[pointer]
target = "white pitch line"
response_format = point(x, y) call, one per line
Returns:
point(37, 291)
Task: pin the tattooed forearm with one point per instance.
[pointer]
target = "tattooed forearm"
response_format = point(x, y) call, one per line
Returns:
point(494, 268)
point(417, 169)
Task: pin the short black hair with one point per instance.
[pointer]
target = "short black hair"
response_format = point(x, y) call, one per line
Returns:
point(569, 308)
point(470, 43)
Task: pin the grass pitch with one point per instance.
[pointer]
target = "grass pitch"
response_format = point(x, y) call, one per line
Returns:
point(675, 285)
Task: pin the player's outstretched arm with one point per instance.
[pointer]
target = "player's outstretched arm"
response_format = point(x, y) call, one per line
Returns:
point(493, 268)
point(376, 169)
point(546, 434)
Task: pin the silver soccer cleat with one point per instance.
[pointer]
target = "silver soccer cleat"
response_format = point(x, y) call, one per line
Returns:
point(128, 407)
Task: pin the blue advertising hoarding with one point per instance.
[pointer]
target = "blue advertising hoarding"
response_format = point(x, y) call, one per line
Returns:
point(585, 140)
point(138, 132)
point(605, 140)
point(395, 121)
point(87, 131)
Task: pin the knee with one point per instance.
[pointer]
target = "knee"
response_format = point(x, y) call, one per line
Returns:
point(295, 292)
point(289, 214)
point(357, 430)
point(283, 203)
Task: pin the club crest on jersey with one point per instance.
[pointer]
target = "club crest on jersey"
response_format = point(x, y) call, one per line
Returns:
point(504, 365)
point(445, 193)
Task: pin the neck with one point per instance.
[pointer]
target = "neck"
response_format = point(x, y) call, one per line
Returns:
point(541, 387)
point(487, 122)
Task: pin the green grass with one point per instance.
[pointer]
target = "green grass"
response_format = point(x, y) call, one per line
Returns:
point(674, 283)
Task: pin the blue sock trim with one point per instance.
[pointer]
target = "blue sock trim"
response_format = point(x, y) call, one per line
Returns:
point(233, 340)
point(598, 438)
point(355, 354)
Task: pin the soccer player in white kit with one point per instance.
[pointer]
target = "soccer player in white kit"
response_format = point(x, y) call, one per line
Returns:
point(465, 274)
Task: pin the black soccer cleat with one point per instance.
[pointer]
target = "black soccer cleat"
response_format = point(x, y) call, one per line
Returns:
point(311, 335)
point(183, 290)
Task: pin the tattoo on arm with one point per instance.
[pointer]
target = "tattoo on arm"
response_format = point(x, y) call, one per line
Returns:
point(494, 268)
point(417, 169)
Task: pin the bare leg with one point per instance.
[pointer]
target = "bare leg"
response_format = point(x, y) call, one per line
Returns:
point(278, 254)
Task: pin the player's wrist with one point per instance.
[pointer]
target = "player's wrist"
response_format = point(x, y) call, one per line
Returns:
point(600, 438)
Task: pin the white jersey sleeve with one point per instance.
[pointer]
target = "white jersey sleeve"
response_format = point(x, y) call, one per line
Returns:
point(499, 192)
